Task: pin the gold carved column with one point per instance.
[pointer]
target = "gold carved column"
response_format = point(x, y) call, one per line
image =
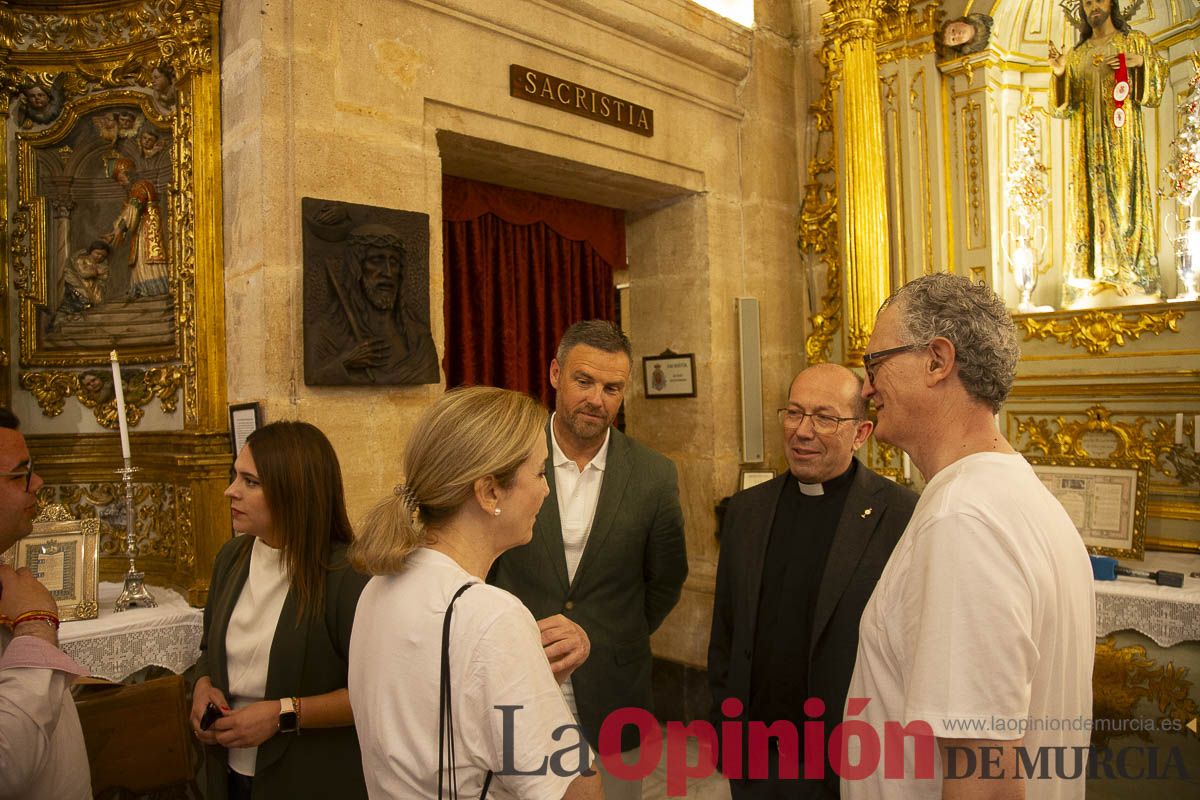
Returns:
point(851, 27)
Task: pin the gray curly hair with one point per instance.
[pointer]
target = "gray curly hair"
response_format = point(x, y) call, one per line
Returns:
point(975, 321)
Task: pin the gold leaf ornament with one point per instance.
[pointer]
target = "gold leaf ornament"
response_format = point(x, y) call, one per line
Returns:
point(93, 390)
point(1098, 331)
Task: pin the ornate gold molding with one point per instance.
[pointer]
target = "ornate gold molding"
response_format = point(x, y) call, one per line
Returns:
point(1097, 331)
point(185, 533)
point(1123, 677)
point(906, 52)
point(971, 137)
point(916, 105)
point(1156, 447)
point(179, 30)
point(904, 22)
point(818, 225)
point(885, 455)
point(1183, 461)
point(183, 209)
point(1173, 545)
point(162, 512)
point(51, 389)
point(54, 512)
point(19, 247)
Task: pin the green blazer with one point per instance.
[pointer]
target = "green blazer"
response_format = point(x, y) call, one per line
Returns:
point(306, 659)
point(629, 577)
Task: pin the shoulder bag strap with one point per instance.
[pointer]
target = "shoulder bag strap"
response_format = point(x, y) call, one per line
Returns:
point(446, 716)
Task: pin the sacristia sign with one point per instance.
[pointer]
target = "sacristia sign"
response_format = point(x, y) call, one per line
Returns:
point(547, 90)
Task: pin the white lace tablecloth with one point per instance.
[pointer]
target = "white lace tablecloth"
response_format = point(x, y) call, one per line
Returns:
point(1165, 614)
point(114, 646)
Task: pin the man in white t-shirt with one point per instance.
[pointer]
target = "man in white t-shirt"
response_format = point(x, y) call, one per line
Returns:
point(980, 634)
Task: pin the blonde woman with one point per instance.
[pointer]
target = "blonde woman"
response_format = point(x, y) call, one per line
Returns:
point(475, 481)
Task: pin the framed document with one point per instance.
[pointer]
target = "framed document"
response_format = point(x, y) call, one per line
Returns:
point(753, 477)
point(1105, 498)
point(244, 419)
point(61, 553)
point(669, 375)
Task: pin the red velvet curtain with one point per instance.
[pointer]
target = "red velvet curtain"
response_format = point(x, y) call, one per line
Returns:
point(519, 269)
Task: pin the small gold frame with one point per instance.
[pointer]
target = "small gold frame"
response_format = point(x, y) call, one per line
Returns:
point(1130, 477)
point(71, 546)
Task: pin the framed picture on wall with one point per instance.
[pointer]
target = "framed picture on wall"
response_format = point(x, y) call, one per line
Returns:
point(244, 419)
point(103, 236)
point(1105, 498)
point(753, 477)
point(669, 375)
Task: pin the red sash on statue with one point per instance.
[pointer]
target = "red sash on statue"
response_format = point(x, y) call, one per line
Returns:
point(1120, 91)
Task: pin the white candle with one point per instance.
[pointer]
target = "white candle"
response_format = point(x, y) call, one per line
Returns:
point(1179, 428)
point(906, 463)
point(119, 390)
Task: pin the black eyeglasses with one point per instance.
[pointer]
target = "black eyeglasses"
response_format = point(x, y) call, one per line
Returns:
point(872, 361)
point(26, 471)
point(826, 424)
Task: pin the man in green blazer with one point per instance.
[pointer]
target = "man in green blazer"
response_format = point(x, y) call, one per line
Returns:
point(608, 548)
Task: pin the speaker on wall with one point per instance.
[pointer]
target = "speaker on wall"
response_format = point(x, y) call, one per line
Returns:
point(750, 358)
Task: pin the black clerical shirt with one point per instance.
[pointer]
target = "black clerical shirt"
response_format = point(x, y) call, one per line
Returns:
point(799, 543)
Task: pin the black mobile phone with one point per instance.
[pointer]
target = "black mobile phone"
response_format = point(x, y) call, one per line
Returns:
point(211, 715)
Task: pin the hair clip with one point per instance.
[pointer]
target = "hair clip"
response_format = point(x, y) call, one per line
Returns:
point(409, 496)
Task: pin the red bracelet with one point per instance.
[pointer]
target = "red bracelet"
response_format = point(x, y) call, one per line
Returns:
point(34, 616)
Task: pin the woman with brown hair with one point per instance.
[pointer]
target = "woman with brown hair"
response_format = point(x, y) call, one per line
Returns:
point(429, 686)
point(271, 699)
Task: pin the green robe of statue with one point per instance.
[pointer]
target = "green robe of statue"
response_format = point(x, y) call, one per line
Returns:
point(1110, 209)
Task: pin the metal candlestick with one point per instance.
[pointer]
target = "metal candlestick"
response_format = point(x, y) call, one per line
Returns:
point(134, 593)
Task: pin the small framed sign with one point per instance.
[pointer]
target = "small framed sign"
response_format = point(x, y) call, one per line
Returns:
point(62, 554)
point(244, 419)
point(753, 477)
point(1105, 498)
point(670, 375)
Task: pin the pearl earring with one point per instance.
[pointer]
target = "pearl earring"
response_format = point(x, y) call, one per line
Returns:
point(497, 512)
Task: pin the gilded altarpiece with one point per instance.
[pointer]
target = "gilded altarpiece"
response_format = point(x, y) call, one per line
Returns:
point(112, 241)
point(948, 125)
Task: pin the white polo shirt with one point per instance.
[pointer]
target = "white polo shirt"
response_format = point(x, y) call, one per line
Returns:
point(578, 492)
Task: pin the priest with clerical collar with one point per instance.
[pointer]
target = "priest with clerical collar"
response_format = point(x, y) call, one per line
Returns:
point(799, 557)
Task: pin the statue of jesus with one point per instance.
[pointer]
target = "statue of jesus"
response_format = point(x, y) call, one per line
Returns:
point(1100, 87)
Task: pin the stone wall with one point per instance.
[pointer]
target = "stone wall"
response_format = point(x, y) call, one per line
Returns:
point(370, 103)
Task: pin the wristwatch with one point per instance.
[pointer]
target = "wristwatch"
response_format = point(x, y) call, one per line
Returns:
point(288, 721)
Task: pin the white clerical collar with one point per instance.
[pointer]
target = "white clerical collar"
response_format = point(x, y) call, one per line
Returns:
point(818, 489)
